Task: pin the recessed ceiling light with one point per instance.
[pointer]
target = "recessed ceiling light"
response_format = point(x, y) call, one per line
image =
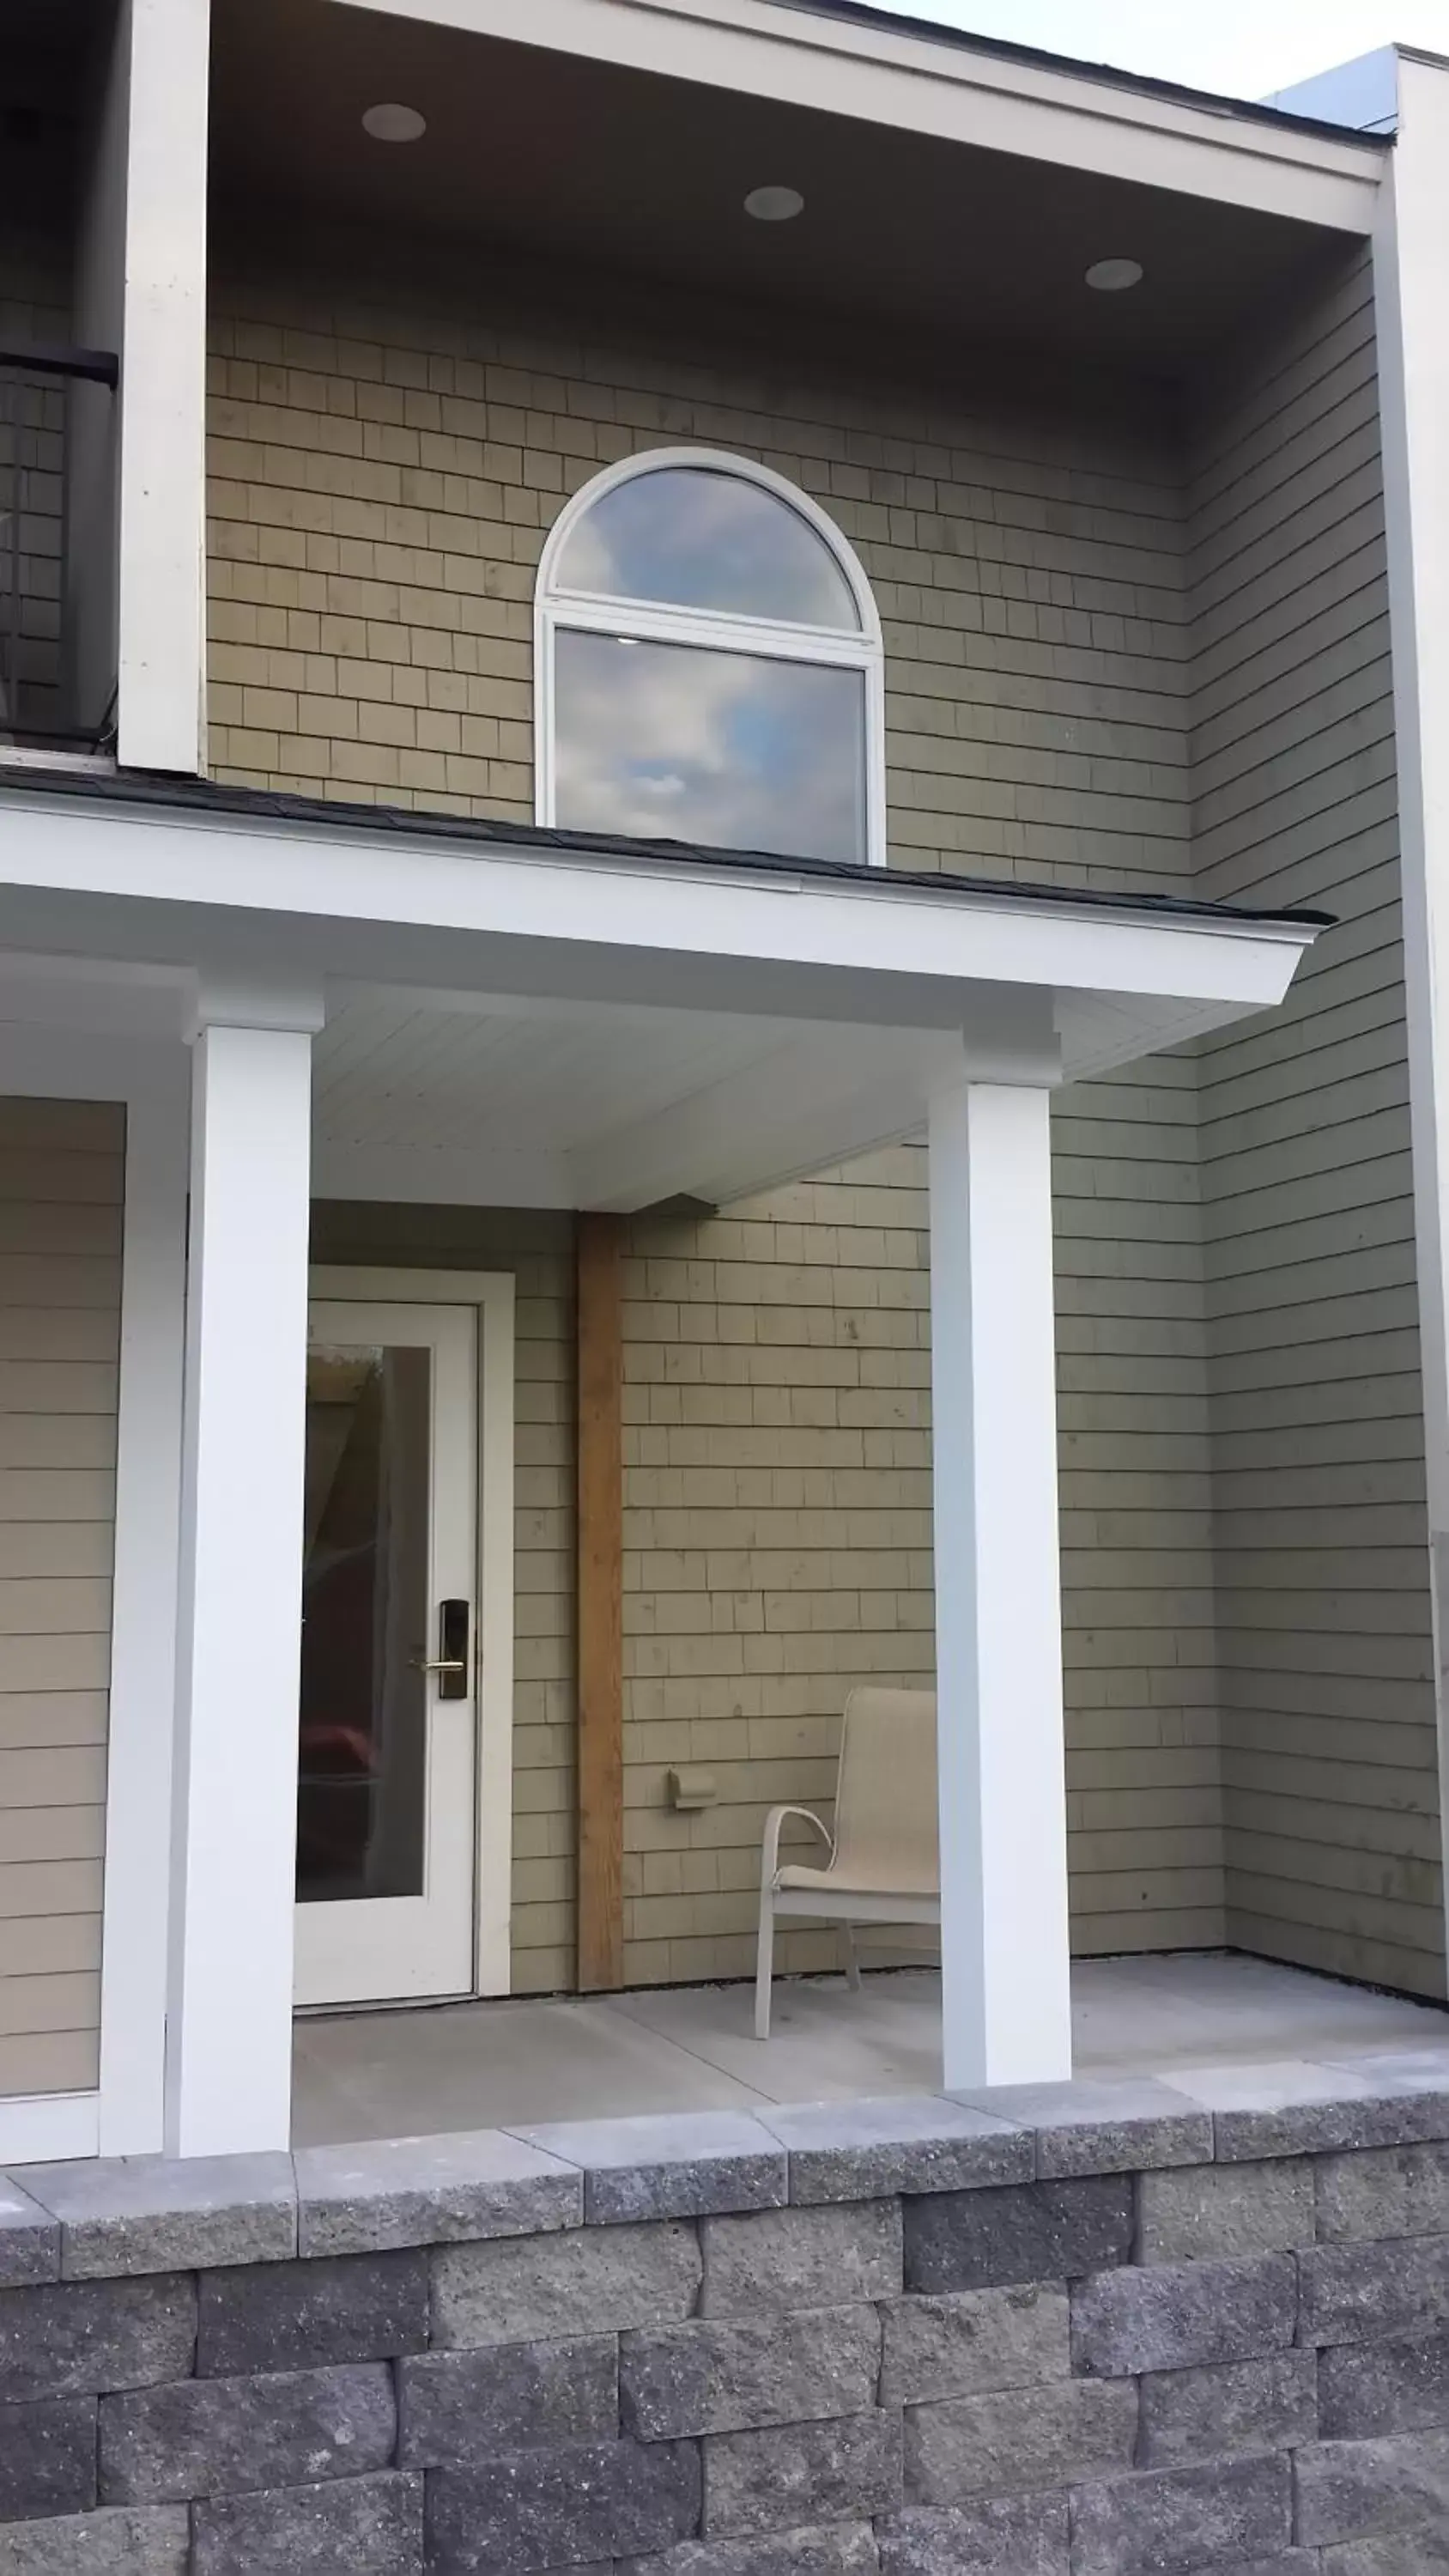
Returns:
point(393, 123)
point(774, 205)
point(1110, 276)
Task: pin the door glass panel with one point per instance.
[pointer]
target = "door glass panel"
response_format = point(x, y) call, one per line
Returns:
point(362, 1751)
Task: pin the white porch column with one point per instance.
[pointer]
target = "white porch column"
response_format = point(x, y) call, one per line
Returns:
point(229, 2082)
point(1006, 1996)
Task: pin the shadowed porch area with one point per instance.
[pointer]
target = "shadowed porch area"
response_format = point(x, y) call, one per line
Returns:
point(493, 2065)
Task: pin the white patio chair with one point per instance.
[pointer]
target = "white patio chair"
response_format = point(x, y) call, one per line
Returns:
point(884, 1864)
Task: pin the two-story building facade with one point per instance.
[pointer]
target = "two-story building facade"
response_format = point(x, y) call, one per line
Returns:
point(719, 841)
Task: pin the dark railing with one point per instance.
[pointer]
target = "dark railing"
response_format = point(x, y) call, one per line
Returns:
point(51, 694)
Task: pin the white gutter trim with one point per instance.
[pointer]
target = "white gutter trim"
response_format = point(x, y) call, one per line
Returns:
point(878, 885)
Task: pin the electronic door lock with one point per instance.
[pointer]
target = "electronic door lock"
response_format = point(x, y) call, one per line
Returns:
point(450, 1664)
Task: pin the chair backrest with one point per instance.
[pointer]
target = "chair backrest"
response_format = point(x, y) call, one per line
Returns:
point(885, 1799)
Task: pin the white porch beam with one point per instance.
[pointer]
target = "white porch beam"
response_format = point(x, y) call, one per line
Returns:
point(799, 1107)
point(439, 1175)
point(121, 882)
point(229, 2065)
point(1006, 1993)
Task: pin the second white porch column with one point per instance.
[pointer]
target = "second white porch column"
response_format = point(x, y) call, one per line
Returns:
point(230, 2032)
point(1006, 1993)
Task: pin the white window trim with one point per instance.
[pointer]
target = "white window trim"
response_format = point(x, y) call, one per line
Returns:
point(649, 621)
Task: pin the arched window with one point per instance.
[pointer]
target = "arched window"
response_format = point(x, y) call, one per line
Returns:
point(709, 665)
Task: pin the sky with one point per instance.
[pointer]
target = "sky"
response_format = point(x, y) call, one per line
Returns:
point(1240, 48)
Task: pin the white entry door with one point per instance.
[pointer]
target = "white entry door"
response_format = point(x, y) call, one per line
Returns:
point(388, 1721)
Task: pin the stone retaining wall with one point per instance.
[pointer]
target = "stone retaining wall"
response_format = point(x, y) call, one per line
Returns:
point(1106, 2330)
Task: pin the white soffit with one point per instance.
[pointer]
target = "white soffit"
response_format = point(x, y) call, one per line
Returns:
point(413, 1071)
point(770, 49)
point(541, 1107)
point(432, 1098)
point(393, 1069)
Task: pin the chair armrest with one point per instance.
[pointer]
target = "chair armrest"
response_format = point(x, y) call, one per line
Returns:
point(770, 1856)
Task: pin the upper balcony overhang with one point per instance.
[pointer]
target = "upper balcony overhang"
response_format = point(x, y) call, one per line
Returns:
point(955, 193)
point(532, 1017)
point(833, 57)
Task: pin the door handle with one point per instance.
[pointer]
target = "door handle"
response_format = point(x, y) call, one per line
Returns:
point(451, 1662)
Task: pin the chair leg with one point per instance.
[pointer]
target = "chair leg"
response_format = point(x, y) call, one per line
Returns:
point(764, 1961)
point(852, 1962)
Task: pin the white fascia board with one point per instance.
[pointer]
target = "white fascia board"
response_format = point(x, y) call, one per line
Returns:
point(544, 921)
point(900, 78)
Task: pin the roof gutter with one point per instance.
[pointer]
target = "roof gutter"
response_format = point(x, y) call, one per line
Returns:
point(258, 809)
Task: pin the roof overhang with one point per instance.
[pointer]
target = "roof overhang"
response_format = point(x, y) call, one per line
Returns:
point(726, 1024)
point(907, 77)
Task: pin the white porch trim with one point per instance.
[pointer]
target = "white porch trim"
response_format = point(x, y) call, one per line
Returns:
point(229, 2073)
point(148, 1078)
point(1005, 1950)
point(597, 926)
point(48, 2128)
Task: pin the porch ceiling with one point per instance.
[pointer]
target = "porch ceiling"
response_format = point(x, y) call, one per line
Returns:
point(600, 166)
point(483, 1099)
point(476, 1099)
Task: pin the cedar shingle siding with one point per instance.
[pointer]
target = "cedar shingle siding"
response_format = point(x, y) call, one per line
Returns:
point(62, 1165)
point(1325, 1642)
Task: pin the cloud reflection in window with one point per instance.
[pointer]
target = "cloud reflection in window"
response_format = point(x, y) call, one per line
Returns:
point(731, 750)
point(692, 538)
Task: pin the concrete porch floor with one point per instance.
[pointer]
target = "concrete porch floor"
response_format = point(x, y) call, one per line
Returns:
point(690, 2048)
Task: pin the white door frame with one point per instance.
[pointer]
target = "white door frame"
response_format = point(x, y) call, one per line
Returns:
point(418, 1947)
point(491, 1293)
